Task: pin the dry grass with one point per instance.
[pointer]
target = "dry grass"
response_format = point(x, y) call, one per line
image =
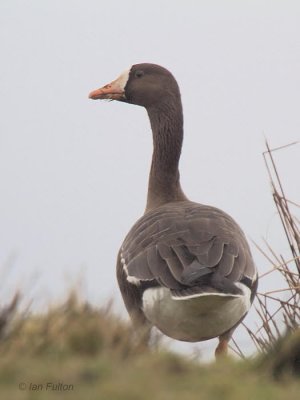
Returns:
point(278, 310)
point(74, 327)
point(95, 355)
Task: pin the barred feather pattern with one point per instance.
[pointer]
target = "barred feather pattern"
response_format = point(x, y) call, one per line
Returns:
point(188, 248)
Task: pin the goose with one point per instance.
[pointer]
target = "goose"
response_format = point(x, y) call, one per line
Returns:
point(184, 267)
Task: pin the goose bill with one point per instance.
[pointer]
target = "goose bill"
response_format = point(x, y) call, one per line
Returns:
point(111, 91)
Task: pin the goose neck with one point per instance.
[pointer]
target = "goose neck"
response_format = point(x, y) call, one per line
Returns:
point(164, 180)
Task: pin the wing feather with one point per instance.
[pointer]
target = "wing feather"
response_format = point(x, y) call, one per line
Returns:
point(160, 269)
point(185, 244)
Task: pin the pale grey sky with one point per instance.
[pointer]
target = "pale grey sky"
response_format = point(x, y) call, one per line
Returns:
point(74, 172)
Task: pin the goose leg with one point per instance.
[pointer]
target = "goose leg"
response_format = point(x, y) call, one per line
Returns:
point(222, 348)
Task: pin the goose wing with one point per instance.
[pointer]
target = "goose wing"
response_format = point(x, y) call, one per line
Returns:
point(188, 248)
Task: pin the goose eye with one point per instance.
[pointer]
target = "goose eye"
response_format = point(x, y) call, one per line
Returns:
point(139, 74)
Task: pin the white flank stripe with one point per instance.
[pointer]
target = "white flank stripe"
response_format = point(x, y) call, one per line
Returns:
point(130, 279)
point(245, 296)
point(193, 296)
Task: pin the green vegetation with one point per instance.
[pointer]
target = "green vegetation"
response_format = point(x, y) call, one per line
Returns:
point(76, 351)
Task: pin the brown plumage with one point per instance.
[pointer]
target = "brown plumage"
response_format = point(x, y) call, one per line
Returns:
point(184, 267)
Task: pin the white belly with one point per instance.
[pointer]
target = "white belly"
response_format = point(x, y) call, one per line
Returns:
point(195, 319)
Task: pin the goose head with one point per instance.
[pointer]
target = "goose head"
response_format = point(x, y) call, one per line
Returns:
point(145, 85)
